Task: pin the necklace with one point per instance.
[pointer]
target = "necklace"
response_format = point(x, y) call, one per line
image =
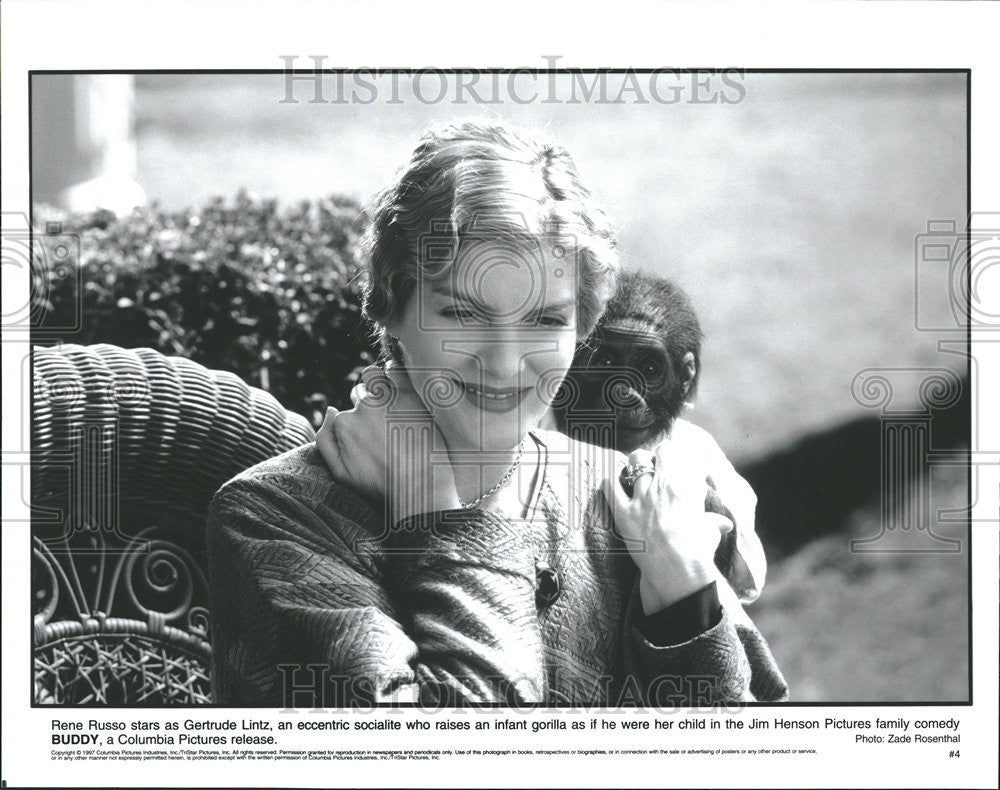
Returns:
point(504, 479)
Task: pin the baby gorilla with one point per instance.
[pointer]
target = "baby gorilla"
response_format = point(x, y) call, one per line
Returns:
point(627, 386)
point(630, 380)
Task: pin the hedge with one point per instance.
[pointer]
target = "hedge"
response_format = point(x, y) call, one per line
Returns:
point(269, 294)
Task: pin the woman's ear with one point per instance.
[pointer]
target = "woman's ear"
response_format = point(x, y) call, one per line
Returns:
point(391, 346)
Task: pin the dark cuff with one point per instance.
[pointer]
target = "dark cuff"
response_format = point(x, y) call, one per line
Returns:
point(685, 619)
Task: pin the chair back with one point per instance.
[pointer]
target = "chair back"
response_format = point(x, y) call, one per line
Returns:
point(128, 447)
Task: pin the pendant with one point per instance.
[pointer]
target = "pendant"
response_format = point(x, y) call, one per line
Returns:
point(547, 587)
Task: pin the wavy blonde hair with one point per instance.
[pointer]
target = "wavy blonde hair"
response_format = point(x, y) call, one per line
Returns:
point(483, 179)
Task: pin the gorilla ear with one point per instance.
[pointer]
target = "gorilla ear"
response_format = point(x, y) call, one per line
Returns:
point(689, 369)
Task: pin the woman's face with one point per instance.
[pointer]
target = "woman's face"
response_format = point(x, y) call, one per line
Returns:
point(487, 343)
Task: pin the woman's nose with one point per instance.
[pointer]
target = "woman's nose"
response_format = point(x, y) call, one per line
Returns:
point(502, 357)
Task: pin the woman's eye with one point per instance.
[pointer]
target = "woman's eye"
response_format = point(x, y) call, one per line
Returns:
point(552, 320)
point(460, 313)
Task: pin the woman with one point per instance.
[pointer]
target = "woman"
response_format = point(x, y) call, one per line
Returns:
point(432, 546)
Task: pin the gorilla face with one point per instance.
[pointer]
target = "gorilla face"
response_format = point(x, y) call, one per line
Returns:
point(627, 372)
point(631, 377)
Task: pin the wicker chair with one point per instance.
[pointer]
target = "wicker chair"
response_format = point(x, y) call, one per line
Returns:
point(128, 447)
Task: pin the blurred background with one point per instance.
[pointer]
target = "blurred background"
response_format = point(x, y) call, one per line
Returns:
point(791, 207)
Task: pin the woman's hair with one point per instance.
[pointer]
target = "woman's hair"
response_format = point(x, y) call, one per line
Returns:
point(484, 180)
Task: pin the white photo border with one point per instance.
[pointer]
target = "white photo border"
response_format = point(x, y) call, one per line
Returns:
point(828, 36)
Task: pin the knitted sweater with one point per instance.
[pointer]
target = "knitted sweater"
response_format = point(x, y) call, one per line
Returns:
point(316, 604)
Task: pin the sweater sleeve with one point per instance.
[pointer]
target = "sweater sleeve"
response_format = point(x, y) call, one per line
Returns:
point(303, 615)
point(729, 662)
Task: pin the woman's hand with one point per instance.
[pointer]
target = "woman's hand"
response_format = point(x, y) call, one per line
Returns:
point(665, 527)
point(384, 448)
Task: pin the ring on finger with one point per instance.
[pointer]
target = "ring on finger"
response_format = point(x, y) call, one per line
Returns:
point(633, 472)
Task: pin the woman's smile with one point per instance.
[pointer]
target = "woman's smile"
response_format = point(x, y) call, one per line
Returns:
point(494, 399)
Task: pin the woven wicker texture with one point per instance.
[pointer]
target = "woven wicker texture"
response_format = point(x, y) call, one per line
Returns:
point(128, 447)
